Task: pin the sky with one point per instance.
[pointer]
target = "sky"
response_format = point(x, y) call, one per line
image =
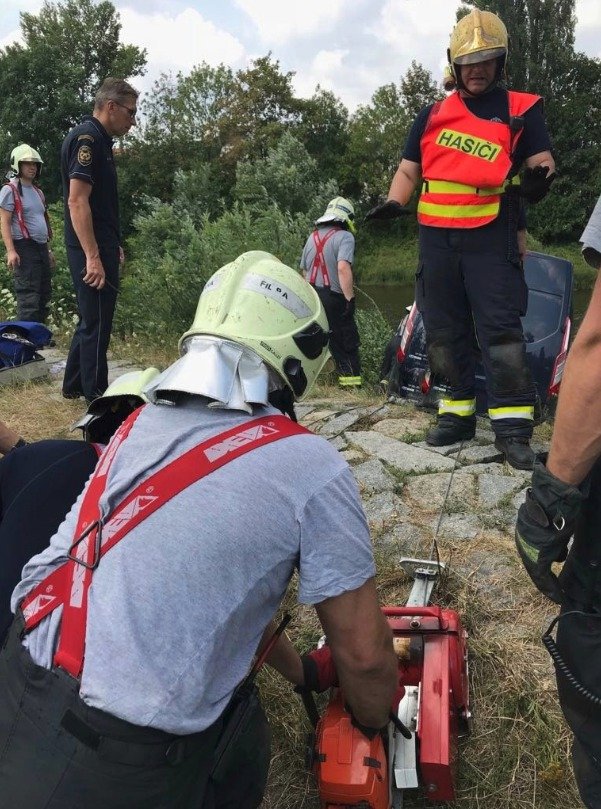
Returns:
point(350, 47)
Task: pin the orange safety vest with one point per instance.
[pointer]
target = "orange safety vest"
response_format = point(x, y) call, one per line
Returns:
point(466, 161)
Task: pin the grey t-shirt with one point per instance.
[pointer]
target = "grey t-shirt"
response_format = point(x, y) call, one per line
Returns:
point(178, 607)
point(339, 247)
point(33, 213)
point(591, 238)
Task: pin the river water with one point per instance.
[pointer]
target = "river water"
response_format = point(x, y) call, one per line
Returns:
point(391, 300)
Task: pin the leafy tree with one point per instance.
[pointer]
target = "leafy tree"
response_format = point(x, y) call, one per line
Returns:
point(379, 130)
point(377, 133)
point(259, 108)
point(49, 82)
point(288, 176)
point(418, 89)
point(324, 131)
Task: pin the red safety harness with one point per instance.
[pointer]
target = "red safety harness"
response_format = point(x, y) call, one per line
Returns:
point(18, 204)
point(319, 262)
point(68, 585)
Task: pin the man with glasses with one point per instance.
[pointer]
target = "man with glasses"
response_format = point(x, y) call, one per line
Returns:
point(92, 232)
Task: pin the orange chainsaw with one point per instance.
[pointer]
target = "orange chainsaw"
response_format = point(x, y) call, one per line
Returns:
point(420, 746)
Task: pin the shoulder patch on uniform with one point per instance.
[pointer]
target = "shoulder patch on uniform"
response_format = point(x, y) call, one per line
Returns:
point(84, 155)
point(86, 137)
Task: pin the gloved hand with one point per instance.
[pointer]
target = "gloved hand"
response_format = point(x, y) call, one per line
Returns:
point(319, 670)
point(546, 521)
point(349, 310)
point(535, 183)
point(394, 709)
point(386, 210)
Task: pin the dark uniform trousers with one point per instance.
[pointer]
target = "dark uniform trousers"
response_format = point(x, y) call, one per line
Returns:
point(470, 284)
point(86, 372)
point(32, 280)
point(344, 335)
point(579, 643)
point(58, 753)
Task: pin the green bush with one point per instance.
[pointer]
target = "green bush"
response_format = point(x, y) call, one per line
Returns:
point(375, 332)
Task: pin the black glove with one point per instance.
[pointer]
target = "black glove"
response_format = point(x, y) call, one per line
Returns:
point(386, 210)
point(535, 183)
point(349, 309)
point(546, 521)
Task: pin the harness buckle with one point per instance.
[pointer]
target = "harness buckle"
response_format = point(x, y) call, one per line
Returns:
point(97, 543)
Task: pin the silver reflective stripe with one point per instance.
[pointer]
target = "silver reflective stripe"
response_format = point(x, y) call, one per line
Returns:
point(460, 407)
point(522, 412)
point(277, 291)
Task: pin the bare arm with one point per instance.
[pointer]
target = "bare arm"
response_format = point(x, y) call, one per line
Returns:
point(576, 440)
point(345, 276)
point(8, 438)
point(404, 181)
point(283, 657)
point(12, 257)
point(361, 645)
point(81, 217)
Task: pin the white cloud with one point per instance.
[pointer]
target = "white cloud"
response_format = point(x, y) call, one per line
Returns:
point(324, 69)
point(278, 21)
point(588, 14)
point(179, 42)
point(414, 27)
point(11, 38)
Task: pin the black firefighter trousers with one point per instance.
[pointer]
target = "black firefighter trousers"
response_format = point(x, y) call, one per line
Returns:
point(86, 372)
point(344, 335)
point(58, 753)
point(467, 287)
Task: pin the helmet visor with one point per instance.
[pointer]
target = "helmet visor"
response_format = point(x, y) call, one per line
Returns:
point(480, 56)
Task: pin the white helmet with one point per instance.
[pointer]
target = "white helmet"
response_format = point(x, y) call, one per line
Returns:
point(122, 397)
point(258, 326)
point(21, 153)
point(339, 210)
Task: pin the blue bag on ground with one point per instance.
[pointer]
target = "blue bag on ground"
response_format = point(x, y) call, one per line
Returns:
point(20, 340)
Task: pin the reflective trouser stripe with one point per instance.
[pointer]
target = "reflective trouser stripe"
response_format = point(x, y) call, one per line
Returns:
point(459, 407)
point(520, 412)
point(349, 381)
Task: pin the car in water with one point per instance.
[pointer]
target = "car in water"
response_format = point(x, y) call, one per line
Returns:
point(547, 325)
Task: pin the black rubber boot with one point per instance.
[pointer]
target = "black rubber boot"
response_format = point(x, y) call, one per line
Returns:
point(451, 429)
point(517, 451)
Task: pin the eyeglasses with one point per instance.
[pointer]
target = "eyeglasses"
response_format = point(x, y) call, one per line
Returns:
point(132, 112)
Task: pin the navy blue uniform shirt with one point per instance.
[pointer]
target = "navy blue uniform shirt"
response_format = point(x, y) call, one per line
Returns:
point(87, 154)
point(38, 485)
